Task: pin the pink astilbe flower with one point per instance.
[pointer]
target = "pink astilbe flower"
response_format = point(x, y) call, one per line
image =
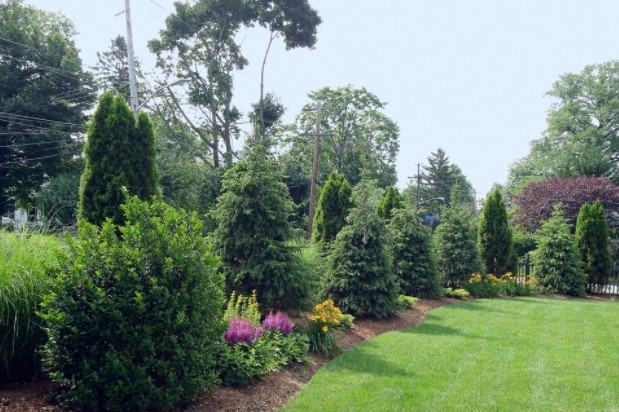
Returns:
point(280, 321)
point(241, 330)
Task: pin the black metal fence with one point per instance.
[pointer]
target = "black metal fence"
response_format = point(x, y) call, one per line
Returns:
point(609, 287)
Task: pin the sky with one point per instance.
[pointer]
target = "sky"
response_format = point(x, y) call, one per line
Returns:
point(467, 76)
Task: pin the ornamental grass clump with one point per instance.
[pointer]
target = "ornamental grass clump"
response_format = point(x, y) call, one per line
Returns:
point(324, 321)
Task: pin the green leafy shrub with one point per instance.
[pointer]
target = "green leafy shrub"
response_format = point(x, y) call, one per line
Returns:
point(23, 256)
point(391, 202)
point(333, 207)
point(347, 321)
point(455, 293)
point(556, 265)
point(134, 314)
point(406, 302)
point(488, 286)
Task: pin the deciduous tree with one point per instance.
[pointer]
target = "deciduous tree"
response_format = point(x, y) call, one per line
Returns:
point(536, 202)
point(43, 95)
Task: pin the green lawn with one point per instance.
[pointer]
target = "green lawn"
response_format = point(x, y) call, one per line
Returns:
point(517, 354)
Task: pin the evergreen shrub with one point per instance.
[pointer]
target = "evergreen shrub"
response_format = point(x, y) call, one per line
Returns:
point(592, 238)
point(134, 314)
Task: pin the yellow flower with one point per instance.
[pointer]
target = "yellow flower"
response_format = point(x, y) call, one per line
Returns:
point(325, 329)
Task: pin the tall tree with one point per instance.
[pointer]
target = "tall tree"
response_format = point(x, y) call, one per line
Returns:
point(296, 21)
point(112, 70)
point(582, 138)
point(495, 237)
point(43, 95)
point(455, 244)
point(536, 202)
point(333, 206)
point(414, 260)
point(555, 261)
point(362, 140)
point(253, 232)
point(592, 238)
point(359, 274)
point(119, 154)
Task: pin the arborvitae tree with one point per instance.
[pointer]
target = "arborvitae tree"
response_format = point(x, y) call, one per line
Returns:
point(253, 233)
point(495, 236)
point(556, 265)
point(118, 154)
point(592, 237)
point(333, 207)
point(359, 276)
point(454, 244)
point(414, 261)
point(392, 200)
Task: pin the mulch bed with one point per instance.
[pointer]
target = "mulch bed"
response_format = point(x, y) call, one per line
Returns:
point(268, 394)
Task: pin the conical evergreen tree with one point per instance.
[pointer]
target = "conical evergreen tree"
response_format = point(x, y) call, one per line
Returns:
point(333, 207)
point(556, 265)
point(455, 244)
point(495, 237)
point(391, 201)
point(253, 233)
point(592, 238)
point(118, 154)
point(359, 276)
point(414, 261)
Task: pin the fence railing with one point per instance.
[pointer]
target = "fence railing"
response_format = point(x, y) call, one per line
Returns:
point(609, 287)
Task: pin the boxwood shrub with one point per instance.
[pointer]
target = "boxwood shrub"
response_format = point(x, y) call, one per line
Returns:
point(135, 313)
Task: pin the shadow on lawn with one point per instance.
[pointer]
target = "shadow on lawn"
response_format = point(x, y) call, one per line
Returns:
point(367, 362)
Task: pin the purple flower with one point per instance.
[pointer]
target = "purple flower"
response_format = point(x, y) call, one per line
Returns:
point(241, 330)
point(280, 321)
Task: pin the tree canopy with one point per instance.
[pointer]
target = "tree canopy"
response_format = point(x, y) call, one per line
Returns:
point(43, 95)
point(536, 202)
point(582, 137)
point(361, 140)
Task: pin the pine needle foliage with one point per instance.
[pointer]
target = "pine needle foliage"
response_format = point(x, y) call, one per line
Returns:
point(455, 245)
point(333, 207)
point(556, 264)
point(253, 233)
point(414, 260)
point(118, 155)
point(359, 272)
point(592, 238)
point(494, 236)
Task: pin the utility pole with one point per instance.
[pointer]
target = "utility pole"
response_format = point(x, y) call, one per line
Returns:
point(133, 86)
point(317, 134)
point(418, 176)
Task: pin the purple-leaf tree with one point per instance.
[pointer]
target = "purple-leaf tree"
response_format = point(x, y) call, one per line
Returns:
point(535, 203)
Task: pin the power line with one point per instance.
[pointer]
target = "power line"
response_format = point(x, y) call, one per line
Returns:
point(39, 158)
point(32, 144)
point(38, 119)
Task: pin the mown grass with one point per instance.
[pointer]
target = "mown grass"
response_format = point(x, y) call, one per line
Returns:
point(513, 354)
point(23, 257)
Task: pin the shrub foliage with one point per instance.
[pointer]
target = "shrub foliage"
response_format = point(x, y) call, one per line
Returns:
point(556, 263)
point(118, 155)
point(359, 276)
point(253, 234)
point(333, 207)
point(134, 320)
point(390, 203)
point(495, 237)
point(414, 261)
point(592, 238)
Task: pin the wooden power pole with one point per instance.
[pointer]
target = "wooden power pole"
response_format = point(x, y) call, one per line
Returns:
point(312, 204)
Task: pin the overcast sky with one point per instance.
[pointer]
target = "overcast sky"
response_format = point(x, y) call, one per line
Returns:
point(468, 76)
